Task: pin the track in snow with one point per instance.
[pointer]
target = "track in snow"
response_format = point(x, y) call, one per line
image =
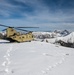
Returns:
point(49, 68)
point(7, 61)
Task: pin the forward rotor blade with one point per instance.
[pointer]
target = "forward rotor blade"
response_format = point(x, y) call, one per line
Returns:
point(26, 27)
point(4, 25)
point(3, 29)
point(17, 27)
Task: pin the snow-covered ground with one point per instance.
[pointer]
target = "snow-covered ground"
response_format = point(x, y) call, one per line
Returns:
point(35, 58)
point(54, 37)
point(68, 39)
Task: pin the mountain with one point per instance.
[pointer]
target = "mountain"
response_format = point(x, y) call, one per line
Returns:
point(43, 35)
point(65, 33)
point(65, 38)
point(68, 39)
point(62, 33)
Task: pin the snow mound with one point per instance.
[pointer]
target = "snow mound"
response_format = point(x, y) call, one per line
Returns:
point(68, 39)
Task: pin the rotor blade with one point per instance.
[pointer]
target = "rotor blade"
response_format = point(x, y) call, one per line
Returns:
point(26, 27)
point(3, 29)
point(17, 27)
point(4, 25)
point(22, 29)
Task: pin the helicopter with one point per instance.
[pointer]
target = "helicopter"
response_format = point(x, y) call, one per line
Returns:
point(13, 35)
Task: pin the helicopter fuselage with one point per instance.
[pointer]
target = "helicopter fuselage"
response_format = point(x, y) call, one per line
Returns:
point(14, 36)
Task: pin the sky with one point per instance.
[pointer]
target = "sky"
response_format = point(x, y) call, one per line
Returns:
point(45, 14)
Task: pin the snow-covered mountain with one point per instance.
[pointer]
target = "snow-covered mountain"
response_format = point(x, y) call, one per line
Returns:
point(67, 41)
point(66, 38)
point(65, 33)
point(62, 33)
point(43, 35)
point(56, 33)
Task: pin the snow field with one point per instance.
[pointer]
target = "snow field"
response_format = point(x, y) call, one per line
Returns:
point(35, 58)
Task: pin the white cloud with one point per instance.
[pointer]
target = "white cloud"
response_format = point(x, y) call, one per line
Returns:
point(42, 17)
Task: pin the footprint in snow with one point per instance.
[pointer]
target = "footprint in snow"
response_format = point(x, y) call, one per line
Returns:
point(54, 65)
point(47, 69)
point(60, 62)
point(7, 70)
point(50, 67)
point(8, 54)
point(5, 56)
point(44, 72)
point(63, 59)
point(4, 63)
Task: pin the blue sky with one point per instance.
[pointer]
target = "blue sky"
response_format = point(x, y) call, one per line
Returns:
point(46, 14)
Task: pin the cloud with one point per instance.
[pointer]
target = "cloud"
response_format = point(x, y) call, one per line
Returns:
point(46, 14)
point(13, 8)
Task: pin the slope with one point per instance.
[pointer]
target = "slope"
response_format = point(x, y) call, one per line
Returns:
point(35, 58)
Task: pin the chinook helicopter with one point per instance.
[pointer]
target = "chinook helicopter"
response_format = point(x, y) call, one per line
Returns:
point(13, 36)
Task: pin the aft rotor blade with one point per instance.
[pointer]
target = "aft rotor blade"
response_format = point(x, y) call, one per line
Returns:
point(22, 29)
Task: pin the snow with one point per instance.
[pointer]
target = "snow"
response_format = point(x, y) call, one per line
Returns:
point(68, 39)
point(35, 58)
point(46, 34)
point(2, 41)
